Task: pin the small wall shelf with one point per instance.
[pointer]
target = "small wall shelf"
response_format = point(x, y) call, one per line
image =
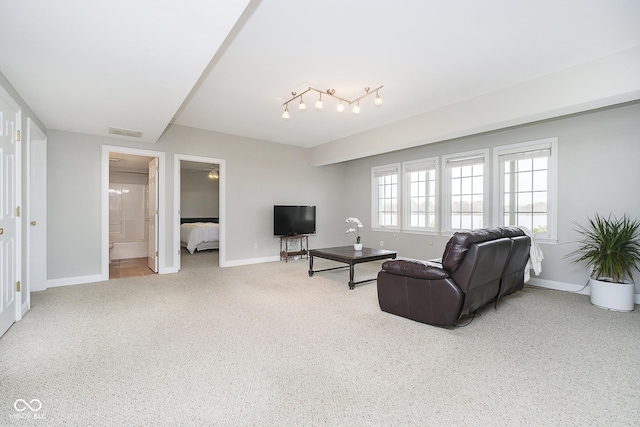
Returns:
point(284, 246)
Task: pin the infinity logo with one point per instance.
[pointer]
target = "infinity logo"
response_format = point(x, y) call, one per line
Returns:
point(22, 405)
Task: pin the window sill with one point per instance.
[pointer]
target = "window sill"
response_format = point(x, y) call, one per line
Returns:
point(387, 229)
point(422, 232)
point(546, 241)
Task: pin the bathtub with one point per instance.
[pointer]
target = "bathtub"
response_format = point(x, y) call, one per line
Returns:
point(129, 249)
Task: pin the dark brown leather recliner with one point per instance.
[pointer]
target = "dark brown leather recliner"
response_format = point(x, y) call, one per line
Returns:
point(477, 267)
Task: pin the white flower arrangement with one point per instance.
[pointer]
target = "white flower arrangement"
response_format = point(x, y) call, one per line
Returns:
point(358, 226)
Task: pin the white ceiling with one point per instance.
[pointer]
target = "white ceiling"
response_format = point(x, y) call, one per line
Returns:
point(135, 64)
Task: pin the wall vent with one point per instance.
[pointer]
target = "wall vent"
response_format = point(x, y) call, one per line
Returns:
point(125, 132)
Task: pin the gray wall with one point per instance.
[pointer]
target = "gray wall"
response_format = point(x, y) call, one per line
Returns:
point(599, 154)
point(599, 171)
point(259, 175)
point(199, 194)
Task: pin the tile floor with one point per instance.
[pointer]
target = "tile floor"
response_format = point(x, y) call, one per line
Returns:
point(129, 268)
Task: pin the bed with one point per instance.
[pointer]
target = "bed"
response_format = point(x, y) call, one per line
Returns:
point(199, 234)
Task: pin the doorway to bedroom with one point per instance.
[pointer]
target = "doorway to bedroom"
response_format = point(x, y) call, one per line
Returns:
point(199, 200)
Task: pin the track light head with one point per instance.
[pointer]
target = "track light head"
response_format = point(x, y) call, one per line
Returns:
point(378, 100)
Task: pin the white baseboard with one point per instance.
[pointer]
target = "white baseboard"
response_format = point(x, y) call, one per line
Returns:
point(249, 261)
point(78, 280)
point(25, 307)
point(568, 287)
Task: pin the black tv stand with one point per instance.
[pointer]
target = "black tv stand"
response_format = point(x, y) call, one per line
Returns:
point(284, 246)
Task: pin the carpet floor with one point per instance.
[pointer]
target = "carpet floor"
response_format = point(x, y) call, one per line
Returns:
point(267, 345)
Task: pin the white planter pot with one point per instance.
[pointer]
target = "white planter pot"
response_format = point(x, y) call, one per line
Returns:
point(357, 246)
point(612, 296)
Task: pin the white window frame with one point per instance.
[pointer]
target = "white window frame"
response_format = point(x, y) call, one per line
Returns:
point(376, 171)
point(446, 187)
point(420, 165)
point(551, 236)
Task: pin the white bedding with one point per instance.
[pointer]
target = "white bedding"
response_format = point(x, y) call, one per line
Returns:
point(193, 234)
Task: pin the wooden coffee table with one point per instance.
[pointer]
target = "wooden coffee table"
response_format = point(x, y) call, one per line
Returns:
point(349, 256)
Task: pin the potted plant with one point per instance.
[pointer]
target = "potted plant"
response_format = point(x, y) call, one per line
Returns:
point(611, 248)
point(356, 245)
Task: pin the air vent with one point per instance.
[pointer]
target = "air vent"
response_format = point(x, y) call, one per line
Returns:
point(125, 132)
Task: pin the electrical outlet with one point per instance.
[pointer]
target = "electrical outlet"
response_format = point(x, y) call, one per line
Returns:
point(381, 243)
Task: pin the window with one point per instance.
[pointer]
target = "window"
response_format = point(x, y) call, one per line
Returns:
point(520, 184)
point(466, 198)
point(420, 195)
point(385, 212)
point(526, 192)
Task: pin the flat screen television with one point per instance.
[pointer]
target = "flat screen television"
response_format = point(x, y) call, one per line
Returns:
point(293, 220)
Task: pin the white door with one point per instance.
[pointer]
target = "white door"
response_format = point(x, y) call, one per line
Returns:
point(37, 249)
point(152, 220)
point(9, 225)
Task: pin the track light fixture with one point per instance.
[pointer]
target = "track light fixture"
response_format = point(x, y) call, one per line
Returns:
point(332, 93)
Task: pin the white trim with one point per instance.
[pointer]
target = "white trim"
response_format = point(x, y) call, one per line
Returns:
point(568, 287)
point(222, 182)
point(559, 286)
point(19, 224)
point(78, 280)
point(162, 208)
point(25, 307)
point(250, 261)
point(34, 133)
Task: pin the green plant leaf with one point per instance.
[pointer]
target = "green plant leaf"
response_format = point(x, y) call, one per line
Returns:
point(610, 246)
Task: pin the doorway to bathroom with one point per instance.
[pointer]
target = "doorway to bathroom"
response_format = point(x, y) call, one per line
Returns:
point(132, 214)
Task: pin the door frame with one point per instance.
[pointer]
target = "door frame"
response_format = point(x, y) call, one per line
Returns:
point(222, 182)
point(153, 211)
point(34, 133)
point(106, 149)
